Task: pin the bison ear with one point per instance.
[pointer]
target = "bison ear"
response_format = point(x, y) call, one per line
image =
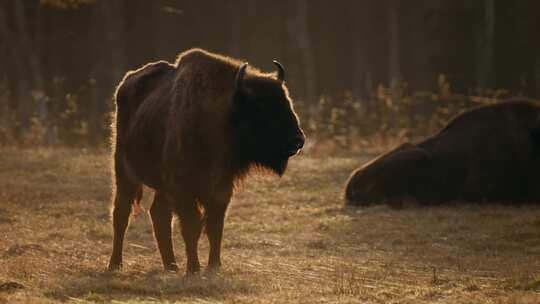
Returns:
point(280, 71)
point(238, 83)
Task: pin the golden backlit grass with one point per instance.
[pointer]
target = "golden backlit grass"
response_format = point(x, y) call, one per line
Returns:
point(286, 240)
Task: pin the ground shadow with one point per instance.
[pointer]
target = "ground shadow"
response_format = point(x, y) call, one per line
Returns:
point(151, 285)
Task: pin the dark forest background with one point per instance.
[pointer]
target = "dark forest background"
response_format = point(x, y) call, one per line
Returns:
point(352, 65)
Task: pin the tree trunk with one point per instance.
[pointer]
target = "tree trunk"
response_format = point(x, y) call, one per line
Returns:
point(297, 26)
point(22, 81)
point(29, 48)
point(537, 77)
point(113, 13)
point(361, 66)
point(394, 73)
point(96, 107)
point(485, 46)
point(233, 27)
point(420, 71)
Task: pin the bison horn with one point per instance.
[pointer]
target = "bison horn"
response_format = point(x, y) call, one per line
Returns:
point(240, 75)
point(281, 71)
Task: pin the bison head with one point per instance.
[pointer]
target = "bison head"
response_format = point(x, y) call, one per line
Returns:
point(267, 129)
point(388, 178)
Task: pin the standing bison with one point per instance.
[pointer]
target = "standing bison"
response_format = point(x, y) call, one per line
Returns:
point(190, 130)
point(491, 153)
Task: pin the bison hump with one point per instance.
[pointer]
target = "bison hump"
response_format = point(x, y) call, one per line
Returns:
point(139, 83)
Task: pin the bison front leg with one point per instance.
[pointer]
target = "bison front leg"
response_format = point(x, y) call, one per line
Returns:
point(191, 225)
point(214, 230)
point(162, 222)
point(215, 207)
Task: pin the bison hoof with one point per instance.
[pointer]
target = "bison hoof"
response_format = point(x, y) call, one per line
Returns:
point(190, 276)
point(214, 265)
point(192, 269)
point(114, 267)
point(171, 267)
point(212, 270)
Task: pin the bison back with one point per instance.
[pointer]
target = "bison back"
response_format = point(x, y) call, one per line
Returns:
point(489, 154)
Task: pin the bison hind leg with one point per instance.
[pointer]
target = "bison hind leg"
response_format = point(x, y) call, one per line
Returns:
point(161, 215)
point(126, 193)
point(191, 223)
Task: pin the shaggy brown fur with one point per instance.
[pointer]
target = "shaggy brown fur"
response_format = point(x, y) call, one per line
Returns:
point(491, 153)
point(189, 130)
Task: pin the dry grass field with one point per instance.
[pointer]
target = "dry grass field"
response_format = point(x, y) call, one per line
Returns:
point(287, 240)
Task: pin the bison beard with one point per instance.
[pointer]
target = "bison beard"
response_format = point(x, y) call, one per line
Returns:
point(190, 130)
point(259, 156)
point(487, 154)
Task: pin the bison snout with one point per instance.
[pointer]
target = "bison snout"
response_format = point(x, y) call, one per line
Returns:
point(300, 141)
point(295, 145)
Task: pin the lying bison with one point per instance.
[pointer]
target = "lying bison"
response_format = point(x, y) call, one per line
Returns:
point(190, 130)
point(491, 153)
